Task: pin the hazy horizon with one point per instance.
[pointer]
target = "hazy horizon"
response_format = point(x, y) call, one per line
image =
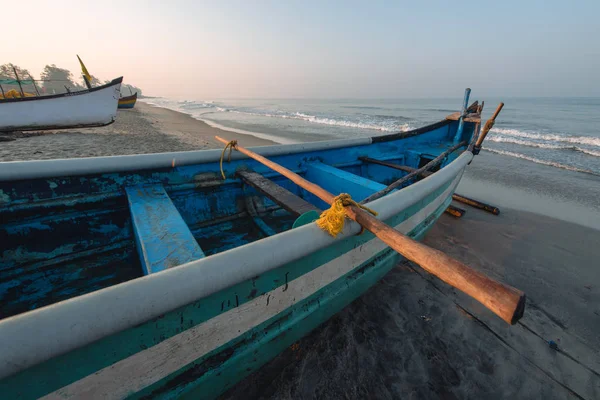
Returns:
point(335, 50)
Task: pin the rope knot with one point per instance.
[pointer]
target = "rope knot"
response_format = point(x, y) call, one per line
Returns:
point(332, 220)
point(231, 146)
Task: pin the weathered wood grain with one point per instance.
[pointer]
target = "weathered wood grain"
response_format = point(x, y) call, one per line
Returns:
point(278, 194)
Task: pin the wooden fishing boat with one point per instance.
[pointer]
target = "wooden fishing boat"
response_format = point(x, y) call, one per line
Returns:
point(128, 101)
point(152, 276)
point(86, 108)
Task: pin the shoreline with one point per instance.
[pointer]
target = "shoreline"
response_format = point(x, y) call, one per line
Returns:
point(256, 135)
point(189, 129)
point(144, 129)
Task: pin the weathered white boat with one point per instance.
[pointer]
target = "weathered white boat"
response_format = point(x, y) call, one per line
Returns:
point(151, 276)
point(86, 108)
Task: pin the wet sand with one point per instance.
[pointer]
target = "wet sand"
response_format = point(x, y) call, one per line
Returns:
point(412, 336)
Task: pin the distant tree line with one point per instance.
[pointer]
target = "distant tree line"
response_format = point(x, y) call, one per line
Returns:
point(53, 80)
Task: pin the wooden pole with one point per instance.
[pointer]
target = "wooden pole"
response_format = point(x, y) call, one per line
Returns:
point(394, 166)
point(486, 129)
point(476, 204)
point(34, 85)
point(505, 301)
point(416, 172)
point(476, 132)
point(424, 174)
point(2, 90)
point(477, 129)
point(18, 81)
point(455, 211)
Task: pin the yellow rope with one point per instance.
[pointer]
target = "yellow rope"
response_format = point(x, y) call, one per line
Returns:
point(332, 220)
point(231, 145)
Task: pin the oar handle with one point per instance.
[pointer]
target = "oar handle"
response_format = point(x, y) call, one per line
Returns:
point(488, 125)
point(503, 300)
point(506, 302)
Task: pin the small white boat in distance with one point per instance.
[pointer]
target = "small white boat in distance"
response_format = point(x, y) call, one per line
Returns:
point(82, 109)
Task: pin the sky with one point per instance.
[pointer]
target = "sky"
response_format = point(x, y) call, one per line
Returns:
point(204, 50)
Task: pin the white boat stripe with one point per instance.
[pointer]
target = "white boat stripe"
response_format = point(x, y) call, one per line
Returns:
point(149, 366)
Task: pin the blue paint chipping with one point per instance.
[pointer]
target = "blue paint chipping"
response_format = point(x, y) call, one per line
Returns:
point(162, 237)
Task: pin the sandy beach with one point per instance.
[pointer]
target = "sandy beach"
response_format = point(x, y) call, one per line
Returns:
point(412, 336)
point(144, 129)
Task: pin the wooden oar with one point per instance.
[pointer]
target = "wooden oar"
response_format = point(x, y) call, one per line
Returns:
point(486, 129)
point(505, 301)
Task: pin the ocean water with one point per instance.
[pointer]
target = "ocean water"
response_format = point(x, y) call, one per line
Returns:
point(560, 132)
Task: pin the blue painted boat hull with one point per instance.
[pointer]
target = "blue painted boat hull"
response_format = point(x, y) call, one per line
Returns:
point(122, 318)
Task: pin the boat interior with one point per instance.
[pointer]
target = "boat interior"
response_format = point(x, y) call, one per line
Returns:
point(66, 236)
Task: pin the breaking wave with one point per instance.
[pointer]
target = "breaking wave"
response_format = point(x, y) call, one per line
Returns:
point(384, 126)
point(538, 161)
point(503, 139)
point(550, 137)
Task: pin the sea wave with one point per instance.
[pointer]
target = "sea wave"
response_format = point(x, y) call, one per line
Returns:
point(551, 137)
point(274, 138)
point(543, 162)
point(387, 127)
point(364, 107)
point(503, 139)
point(195, 105)
point(349, 124)
point(590, 152)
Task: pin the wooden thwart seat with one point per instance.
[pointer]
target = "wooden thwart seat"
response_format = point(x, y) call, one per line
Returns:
point(162, 237)
point(277, 194)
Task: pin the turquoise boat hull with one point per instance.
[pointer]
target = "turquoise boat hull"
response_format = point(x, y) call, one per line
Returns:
point(151, 276)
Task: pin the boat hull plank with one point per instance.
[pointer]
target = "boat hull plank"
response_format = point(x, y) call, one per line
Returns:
point(162, 237)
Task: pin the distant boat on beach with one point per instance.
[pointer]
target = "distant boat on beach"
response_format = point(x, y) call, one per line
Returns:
point(95, 106)
point(86, 108)
point(128, 101)
point(178, 274)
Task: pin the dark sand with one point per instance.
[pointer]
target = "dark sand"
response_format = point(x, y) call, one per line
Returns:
point(412, 336)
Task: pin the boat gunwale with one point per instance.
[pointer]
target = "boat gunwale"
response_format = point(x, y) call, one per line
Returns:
point(79, 321)
point(128, 98)
point(114, 82)
point(39, 169)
